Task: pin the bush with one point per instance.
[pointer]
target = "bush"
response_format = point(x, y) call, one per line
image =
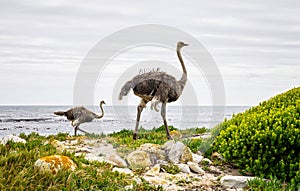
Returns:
point(264, 140)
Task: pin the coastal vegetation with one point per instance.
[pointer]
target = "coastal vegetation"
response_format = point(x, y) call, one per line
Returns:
point(262, 141)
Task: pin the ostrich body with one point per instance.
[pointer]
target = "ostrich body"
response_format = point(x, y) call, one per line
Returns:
point(157, 87)
point(79, 115)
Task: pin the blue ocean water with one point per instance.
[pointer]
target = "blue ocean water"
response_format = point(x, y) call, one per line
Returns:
point(40, 119)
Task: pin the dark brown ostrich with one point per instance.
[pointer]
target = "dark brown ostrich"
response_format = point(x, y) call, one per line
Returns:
point(157, 87)
point(80, 114)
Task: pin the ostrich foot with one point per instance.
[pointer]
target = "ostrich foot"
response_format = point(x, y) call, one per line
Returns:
point(135, 137)
point(154, 104)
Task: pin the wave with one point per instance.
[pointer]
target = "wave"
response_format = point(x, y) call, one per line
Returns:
point(25, 120)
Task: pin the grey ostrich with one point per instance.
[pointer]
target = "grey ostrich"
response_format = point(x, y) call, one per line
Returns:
point(79, 115)
point(157, 87)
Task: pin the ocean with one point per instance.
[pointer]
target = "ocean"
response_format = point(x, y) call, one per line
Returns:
point(40, 119)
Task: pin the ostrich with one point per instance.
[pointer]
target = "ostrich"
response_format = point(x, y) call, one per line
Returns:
point(78, 115)
point(157, 87)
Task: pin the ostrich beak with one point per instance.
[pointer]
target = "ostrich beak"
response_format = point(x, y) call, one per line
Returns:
point(185, 44)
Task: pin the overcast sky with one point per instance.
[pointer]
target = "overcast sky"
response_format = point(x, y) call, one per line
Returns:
point(255, 46)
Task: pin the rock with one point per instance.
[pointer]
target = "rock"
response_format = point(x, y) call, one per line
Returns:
point(230, 181)
point(54, 163)
point(60, 147)
point(197, 158)
point(154, 151)
point(177, 152)
point(196, 168)
point(184, 168)
point(154, 171)
point(93, 157)
point(12, 138)
point(117, 159)
point(123, 170)
point(217, 156)
point(138, 159)
point(156, 180)
point(186, 155)
point(175, 134)
point(206, 161)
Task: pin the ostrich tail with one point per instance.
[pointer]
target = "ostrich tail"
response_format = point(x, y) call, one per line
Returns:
point(59, 113)
point(125, 90)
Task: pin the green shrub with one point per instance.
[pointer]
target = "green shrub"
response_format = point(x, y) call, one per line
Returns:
point(264, 140)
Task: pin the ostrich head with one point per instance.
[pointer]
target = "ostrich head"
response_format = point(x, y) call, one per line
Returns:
point(102, 102)
point(180, 45)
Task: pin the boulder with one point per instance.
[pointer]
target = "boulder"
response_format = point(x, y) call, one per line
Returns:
point(54, 163)
point(230, 181)
point(177, 152)
point(12, 138)
point(138, 159)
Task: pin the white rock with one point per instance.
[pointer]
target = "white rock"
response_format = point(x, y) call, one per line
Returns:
point(123, 170)
point(197, 158)
point(12, 138)
point(174, 151)
point(184, 168)
point(196, 168)
point(230, 181)
point(206, 160)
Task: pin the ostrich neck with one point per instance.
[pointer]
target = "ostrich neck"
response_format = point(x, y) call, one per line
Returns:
point(183, 79)
point(102, 112)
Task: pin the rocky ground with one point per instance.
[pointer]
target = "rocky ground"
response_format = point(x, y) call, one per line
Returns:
point(172, 166)
point(196, 172)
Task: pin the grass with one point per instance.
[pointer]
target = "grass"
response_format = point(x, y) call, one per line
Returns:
point(18, 172)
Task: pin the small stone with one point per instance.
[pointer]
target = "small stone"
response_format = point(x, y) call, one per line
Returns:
point(175, 134)
point(93, 157)
point(230, 181)
point(12, 138)
point(197, 158)
point(217, 156)
point(117, 159)
point(60, 147)
point(156, 180)
point(123, 170)
point(54, 163)
point(206, 161)
point(184, 168)
point(154, 171)
point(196, 168)
point(138, 159)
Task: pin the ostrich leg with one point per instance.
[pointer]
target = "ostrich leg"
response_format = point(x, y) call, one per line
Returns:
point(163, 114)
point(140, 108)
